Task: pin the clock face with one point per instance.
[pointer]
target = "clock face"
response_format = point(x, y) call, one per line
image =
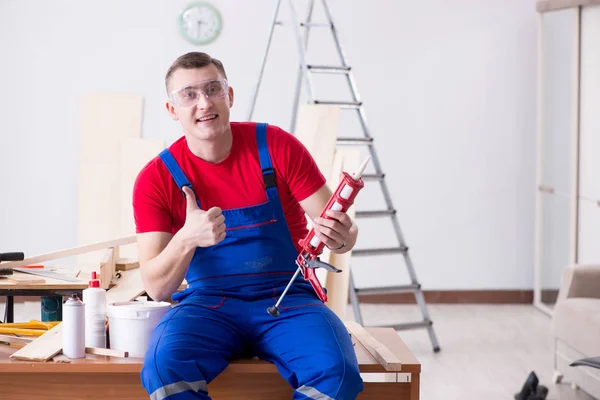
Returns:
point(200, 23)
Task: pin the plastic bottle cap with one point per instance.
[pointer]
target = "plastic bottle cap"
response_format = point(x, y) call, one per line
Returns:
point(94, 282)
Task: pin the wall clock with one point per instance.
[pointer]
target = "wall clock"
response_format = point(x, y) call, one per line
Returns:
point(200, 23)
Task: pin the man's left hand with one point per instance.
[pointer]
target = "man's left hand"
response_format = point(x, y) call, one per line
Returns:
point(336, 232)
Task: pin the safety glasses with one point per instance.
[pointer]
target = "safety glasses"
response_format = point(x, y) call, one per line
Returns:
point(189, 95)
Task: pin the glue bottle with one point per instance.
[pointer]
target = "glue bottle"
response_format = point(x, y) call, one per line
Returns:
point(94, 298)
point(73, 331)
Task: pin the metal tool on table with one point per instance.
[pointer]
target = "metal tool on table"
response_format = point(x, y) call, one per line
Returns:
point(308, 260)
point(46, 273)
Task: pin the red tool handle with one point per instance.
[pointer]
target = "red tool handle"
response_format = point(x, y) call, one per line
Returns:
point(310, 275)
point(341, 200)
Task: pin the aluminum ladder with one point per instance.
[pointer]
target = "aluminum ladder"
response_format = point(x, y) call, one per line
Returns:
point(305, 74)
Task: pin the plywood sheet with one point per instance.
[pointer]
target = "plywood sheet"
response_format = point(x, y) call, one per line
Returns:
point(43, 348)
point(105, 120)
point(134, 154)
point(388, 360)
point(317, 128)
point(128, 287)
point(347, 160)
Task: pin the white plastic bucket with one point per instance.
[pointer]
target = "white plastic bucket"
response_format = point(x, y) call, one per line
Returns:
point(131, 324)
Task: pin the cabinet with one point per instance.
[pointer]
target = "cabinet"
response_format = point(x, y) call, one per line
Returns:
point(568, 170)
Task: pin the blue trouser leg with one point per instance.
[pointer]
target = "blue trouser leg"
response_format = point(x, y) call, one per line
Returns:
point(191, 345)
point(310, 346)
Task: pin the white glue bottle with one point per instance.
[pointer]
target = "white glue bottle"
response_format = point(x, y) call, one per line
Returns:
point(94, 298)
point(73, 328)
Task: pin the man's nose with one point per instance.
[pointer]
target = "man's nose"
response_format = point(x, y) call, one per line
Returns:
point(204, 101)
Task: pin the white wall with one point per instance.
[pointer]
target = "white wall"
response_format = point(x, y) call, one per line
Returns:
point(449, 90)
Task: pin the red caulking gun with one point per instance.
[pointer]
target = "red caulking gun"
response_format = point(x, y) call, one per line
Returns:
point(312, 247)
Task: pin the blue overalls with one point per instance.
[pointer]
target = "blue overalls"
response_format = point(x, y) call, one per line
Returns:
point(222, 315)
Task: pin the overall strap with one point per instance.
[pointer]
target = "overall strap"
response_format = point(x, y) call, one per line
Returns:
point(265, 161)
point(178, 176)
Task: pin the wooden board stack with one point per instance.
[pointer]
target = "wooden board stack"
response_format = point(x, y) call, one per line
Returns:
point(111, 154)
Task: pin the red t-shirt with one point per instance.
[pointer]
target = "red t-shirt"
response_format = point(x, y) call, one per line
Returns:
point(235, 182)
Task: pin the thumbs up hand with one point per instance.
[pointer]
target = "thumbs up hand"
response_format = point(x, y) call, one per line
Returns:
point(202, 228)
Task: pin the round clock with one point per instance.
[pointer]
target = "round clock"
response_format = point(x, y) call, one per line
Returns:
point(200, 23)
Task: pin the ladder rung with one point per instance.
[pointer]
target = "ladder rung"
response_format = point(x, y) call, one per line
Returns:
point(375, 213)
point(373, 177)
point(381, 251)
point(315, 24)
point(343, 104)
point(410, 325)
point(389, 290)
point(355, 141)
point(328, 69)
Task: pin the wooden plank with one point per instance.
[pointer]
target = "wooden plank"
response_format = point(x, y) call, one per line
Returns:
point(50, 284)
point(337, 284)
point(107, 267)
point(43, 348)
point(21, 278)
point(388, 360)
point(332, 181)
point(106, 352)
point(15, 339)
point(105, 120)
point(127, 288)
point(317, 128)
point(552, 5)
point(134, 154)
point(72, 251)
point(125, 264)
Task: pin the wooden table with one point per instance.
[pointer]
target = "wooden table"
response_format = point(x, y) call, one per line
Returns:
point(98, 377)
point(50, 287)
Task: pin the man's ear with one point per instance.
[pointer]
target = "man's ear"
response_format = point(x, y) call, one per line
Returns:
point(231, 96)
point(171, 110)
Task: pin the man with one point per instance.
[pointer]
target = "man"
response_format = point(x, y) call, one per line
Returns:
point(224, 207)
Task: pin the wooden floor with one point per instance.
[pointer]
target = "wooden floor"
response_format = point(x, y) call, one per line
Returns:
point(487, 350)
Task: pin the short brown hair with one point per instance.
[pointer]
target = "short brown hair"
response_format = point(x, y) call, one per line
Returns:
point(193, 60)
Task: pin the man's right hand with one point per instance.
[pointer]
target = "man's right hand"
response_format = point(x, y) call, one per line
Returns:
point(202, 228)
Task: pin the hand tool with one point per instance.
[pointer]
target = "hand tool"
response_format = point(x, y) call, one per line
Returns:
point(308, 260)
point(47, 274)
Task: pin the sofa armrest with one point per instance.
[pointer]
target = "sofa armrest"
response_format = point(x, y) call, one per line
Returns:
point(580, 281)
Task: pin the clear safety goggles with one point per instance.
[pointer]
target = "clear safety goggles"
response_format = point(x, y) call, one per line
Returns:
point(189, 95)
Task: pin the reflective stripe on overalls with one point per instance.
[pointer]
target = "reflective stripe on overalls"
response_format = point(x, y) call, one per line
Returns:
point(222, 314)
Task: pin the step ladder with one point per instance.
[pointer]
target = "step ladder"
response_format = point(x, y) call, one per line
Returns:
point(305, 73)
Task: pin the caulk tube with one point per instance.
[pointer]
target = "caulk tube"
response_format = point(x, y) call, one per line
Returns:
point(344, 198)
point(73, 328)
